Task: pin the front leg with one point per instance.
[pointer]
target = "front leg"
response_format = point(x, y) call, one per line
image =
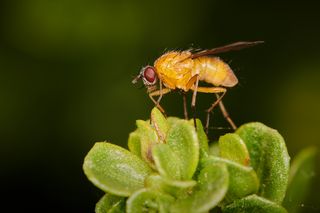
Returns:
point(159, 93)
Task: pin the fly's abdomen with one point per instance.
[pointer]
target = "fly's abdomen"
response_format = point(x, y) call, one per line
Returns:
point(214, 71)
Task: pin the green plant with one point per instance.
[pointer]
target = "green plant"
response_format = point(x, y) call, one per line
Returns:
point(171, 168)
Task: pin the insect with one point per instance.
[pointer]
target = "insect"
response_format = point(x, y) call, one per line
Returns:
point(182, 70)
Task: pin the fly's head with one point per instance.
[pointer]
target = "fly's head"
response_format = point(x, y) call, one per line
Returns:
point(148, 75)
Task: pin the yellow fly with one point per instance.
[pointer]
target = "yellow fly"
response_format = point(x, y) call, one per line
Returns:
point(182, 70)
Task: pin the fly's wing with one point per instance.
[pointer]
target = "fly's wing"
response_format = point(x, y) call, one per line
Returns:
point(230, 47)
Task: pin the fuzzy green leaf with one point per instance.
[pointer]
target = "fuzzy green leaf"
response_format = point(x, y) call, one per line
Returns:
point(148, 201)
point(110, 204)
point(211, 188)
point(203, 139)
point(172, 120)
point(253, 204)
point(183, 142)
point(233, 148)
point(114, 169)
point(159, 123)
point(242, 179)
point(178, 158)
point(167, 162)
point(169, 186)
point(134, 143)
point(302, 172)
point(269, 157)
point(214, 149)
point(148, 138)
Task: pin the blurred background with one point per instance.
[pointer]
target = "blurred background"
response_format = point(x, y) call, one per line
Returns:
point(66, 69)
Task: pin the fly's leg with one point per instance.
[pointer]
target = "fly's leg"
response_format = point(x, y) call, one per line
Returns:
point(223, 110)
point(192, 83)
point(157, 104)
point(226, 114)
point(185, 110)
point(215, 90)
point(159, 93)
point(219, 98)
point(194, 98)
point(160, 90)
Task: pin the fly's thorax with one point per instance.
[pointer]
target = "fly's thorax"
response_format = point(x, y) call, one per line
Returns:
point(174, 68)
point(214, 71)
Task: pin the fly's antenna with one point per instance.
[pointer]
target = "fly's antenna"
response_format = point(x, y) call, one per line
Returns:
point(136, 79)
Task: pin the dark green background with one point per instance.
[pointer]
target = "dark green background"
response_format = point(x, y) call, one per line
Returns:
point(66, 70)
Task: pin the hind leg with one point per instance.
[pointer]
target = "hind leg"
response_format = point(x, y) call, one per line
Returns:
point(226, 114)
point(223, 110)
point(216, 90)
point(213, 105)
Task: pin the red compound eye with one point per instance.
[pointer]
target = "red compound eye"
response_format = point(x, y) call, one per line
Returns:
point(149, 74)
